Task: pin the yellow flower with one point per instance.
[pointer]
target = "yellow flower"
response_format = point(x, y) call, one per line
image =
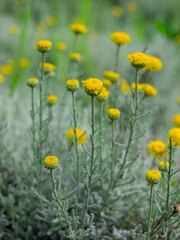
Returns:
point(125, 89)
point(48, 67)
point(76, 57)
point(32, 82)
point(51, 21)
point(157, 148)
point(78, 28)
point(154, 64)
point(162, 166)
point(139, 86)
point(81, 136)
point(52, 99)
point(117, 11)
point(103, 95)
point(41, 26)
point(2, 79)
point(107, 82)
point(113, 76)
point(120, 38)
point(149, 90)
point(50, 162)
point(138, 59)
point(23, 63)
point(61, 46)
point(153, 176)
point(113, 113)
point(13, 30)
point(93, 86)
point(7, 69)
point(176, 120)
point(178, 99)
point(44, 46)
point(72, 85)
point(174, 134)
point(131, 6)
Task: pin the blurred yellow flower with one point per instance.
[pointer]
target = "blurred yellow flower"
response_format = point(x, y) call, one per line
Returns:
point(138, 59)
point(139, 86)
point(176, 120)
point(113, 76)
point(178, 99)
point(153, 176)
point(154, 64)
point(125, 88)
point(120, 38)
point(103, 95)
point(78, 28)
point(72, 85)
point(44, 46)
point(48, 66)
point(157, 148)
point(174, 134)
point(131, 6)
point(75, 56)
point(50, 162)
point(52, 99)
point(81, 136)
point(13, 30)
point(93, 86)
point(41, 26)
point(162, 166)
point(107, 82)
point(61, 46)
point(7, 69)
point(177, 38)
point(149, 90)
point(23, 63)
point(117, 11)
point(2, 79)
point(51, 21)
point(113, 113)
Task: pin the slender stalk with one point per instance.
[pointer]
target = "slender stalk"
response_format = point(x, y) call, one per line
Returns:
point(112, 154)
point(33, 125)
point(61, 206)
point(117, 58)
point(100, 133)
point(92, 158)
point(149, 215)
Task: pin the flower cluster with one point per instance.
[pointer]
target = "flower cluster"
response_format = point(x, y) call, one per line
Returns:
point(78, 28)
point(154, 64)
point(81, 136)
point(44, 46)
point(138, 59)
point(93, 86)
point(103, 95)
point(157, 148)
point(72, 85)
point(113, 113)
point(113, 76)
point(50, 162)
point(176, 120)
point(120, 38)
point(153, 176)
point(174, 134)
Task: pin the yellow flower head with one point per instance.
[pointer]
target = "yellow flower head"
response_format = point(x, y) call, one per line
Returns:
point(50, 162)
point(138, 59)
point(113, 113)
point(113, 76)
point(7, 69)
point(23, 63)
point(32, 82)
point(72, 85)
point(174, 134)
point(139, 87)
point(125, 89)
point(75, 57)
point(81, 136)
point(154, 64)
point(51, 21)
point(44, 46)
point(176, 120)
point(78, 28)
point(153, 176)
point(120, 38)
point(131, 6)
point(13, 30)
point(157, 148)
point(103, 95)
point(2, 79)
point(163, 166)
point(61, 46)
point(93, 86)
point(48, 68)
point(117, 11)
point(52, 99)
point(107, 82)
point(149, 90)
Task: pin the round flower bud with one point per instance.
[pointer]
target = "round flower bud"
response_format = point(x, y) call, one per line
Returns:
point(32, 82)
point(107, 82)
point(138, 59)
point(44, 46)
point(50, 162)
point(75, 57)
point(149, 90)
point(48, 68)
point(93, 86)
point(113, 113)
point(154, 64)
point(120, 38)
point(176, 120)
point(103, 95)
point(72, 85)
point(81, 136)
point(174, 134)
point(113, 76)
point(157, 148)
point(153, 176)
point(78, 28)
point(163, 166)
point(51, 100)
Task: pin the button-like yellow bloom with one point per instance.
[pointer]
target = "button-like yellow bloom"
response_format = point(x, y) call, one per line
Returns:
point(174, 134)
point(131, 6)
point(113, 113)
point(138, 59)
point(117, 11)
point(93, 86)
point(149, 90)
point(120, 38)
point(50, 162)
point(52, 99)
point(107, 82)
point(153, 176)
point(113, 76)
point(81, 136)
point(75, 57)
point(103, 95)
point(2, 79)
point(13, 30)
point(176, 120)
point(157, 148)
point(72, 85)
point(154, 64)
point(32, 82)
point(139, 87)
point(48, 67)
point(125, 88)
point(162, 166)
point(61, 46)
point(78, 28)
point(51, 21)
point(23, 63)
point(44, 46)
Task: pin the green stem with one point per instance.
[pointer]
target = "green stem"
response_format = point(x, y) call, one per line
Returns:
point(100, 133)
point(117, 58)
point(112, 154)
point(33, 125)
point(61, 206)
point(149, 215)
